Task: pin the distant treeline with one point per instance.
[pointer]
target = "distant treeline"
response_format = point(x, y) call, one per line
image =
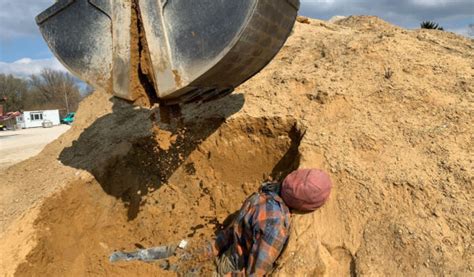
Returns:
point(50, 89)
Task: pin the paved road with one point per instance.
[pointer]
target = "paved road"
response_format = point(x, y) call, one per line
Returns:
point(19, 145)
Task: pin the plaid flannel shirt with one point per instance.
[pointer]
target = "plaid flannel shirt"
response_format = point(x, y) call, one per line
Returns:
point(258, 233)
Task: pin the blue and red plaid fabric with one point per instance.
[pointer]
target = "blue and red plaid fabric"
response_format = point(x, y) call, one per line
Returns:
point(258, 233)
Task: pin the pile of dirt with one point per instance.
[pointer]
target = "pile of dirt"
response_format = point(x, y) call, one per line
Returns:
point(387, 111)
point(169, 195)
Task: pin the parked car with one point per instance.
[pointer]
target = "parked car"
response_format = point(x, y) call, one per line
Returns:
point(69, 119)
point(47, 124)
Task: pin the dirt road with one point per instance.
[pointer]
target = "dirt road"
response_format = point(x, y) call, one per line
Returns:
point(16, 146)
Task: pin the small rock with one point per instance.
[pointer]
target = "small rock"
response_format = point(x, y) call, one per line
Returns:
point(303, 19)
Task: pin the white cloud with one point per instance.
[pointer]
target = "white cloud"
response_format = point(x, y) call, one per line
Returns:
point(432, 2)
point(466, 31)
point(26, 66)
point(452, 14)
point(17, 17)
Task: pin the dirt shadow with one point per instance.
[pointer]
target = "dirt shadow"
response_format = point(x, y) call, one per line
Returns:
point(131, 154)
point(291, 160)
point(209, 169)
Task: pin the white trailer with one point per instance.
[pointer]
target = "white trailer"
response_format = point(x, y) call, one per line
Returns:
point(32, 119)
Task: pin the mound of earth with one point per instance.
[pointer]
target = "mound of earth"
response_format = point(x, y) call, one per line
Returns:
point(386, 111)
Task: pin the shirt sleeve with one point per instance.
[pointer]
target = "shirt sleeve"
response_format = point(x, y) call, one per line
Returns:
point(225, 238)
point(273, 237)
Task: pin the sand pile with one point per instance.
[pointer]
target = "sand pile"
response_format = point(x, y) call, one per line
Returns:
point(388, 112)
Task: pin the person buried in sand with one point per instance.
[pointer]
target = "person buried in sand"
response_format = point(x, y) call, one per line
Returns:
point(254, 240)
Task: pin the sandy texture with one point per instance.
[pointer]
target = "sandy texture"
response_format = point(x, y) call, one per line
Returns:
point(388, 112)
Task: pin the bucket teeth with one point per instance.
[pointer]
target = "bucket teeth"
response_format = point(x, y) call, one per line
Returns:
point(150, 51)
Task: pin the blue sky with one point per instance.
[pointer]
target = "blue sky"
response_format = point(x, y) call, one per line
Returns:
point(23, 51)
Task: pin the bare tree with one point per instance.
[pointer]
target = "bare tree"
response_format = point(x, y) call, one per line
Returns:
point(53, 89)
point(14, 91)
point(48, 90)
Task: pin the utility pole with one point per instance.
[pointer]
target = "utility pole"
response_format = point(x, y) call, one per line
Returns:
point(65, 97)
point(67, 103)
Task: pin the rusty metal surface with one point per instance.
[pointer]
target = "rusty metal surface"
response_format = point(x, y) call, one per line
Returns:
point(197, 50)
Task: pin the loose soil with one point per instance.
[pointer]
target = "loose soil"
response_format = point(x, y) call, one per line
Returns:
point(386, 111)
point(169, 195)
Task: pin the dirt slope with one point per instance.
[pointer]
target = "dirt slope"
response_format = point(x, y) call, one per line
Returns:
point(388, 112)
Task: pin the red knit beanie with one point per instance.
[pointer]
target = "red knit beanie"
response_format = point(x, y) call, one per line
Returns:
point(306, 189)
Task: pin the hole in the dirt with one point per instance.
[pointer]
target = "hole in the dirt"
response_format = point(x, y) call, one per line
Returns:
point(188, 190)
point(239, 152)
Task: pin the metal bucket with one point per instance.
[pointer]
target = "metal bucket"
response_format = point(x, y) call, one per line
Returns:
point(188, 51)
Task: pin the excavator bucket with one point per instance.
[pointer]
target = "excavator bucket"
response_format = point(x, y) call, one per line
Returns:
point(167, 51)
